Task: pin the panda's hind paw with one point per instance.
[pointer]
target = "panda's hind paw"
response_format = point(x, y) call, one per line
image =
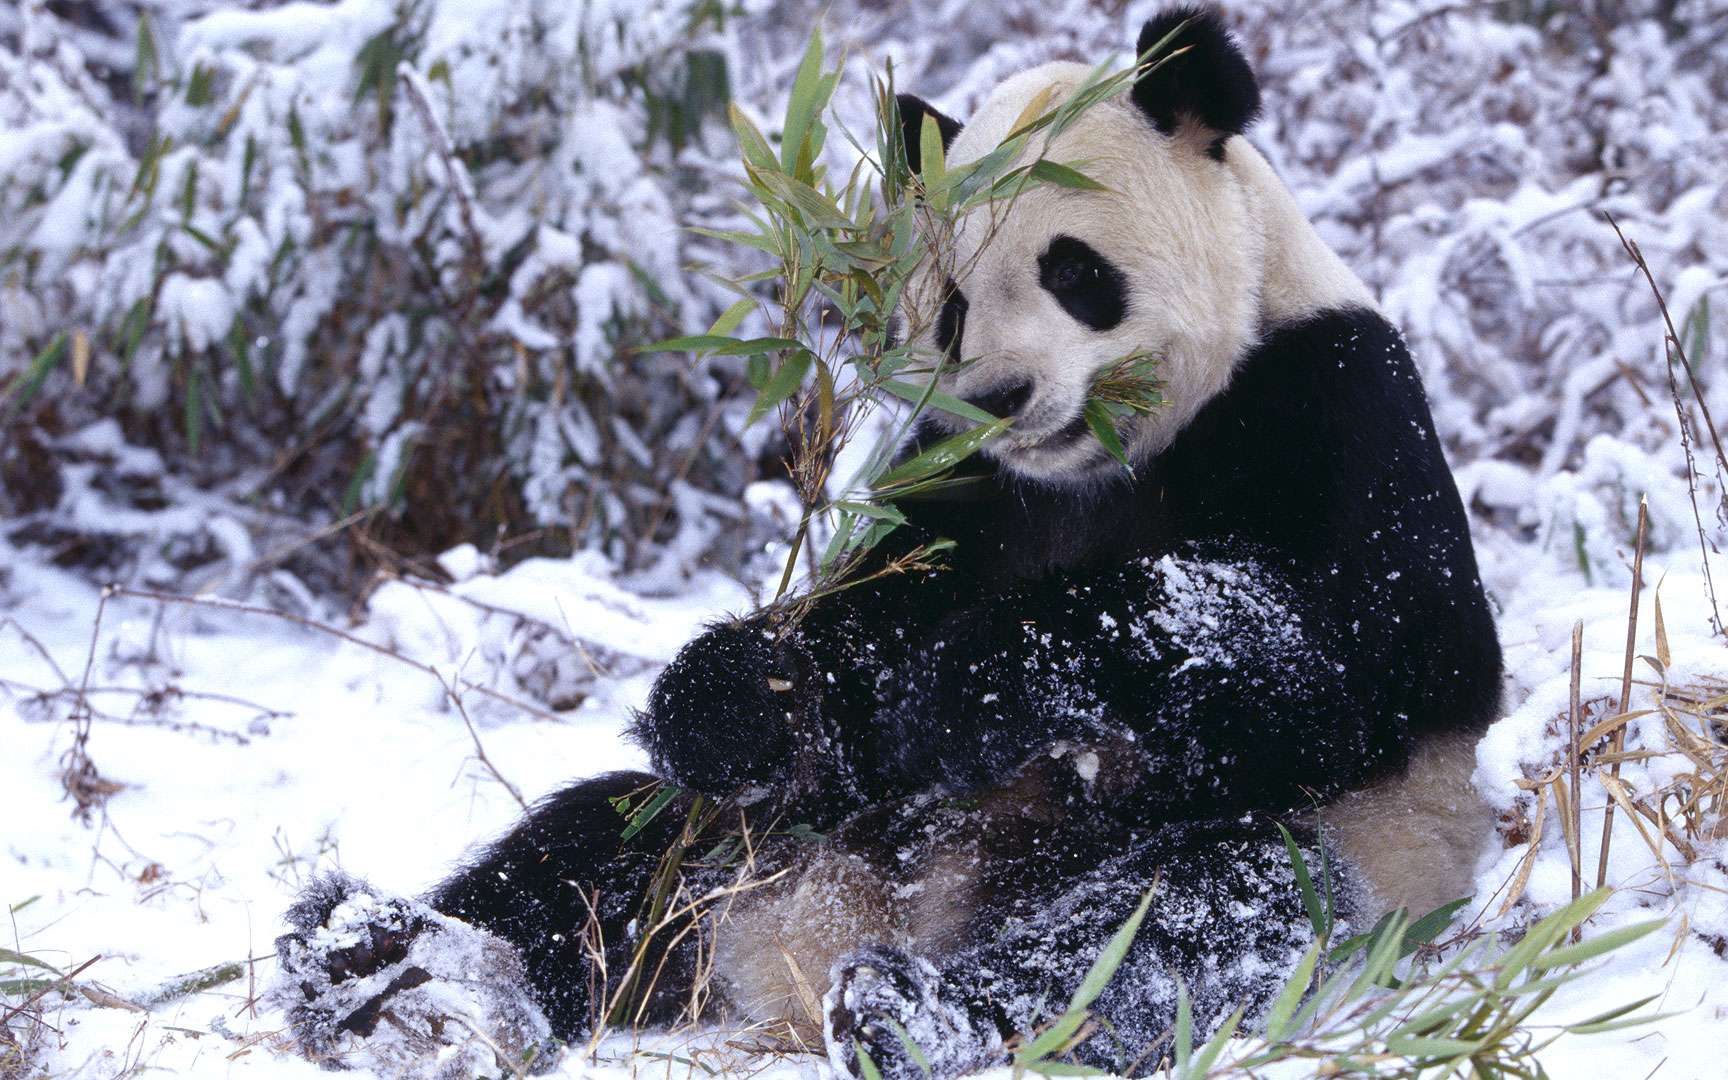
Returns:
point(383, 981)
point(886, 1004)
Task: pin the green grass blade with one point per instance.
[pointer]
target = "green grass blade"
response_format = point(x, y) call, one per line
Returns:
point(1277, 1024)
point(1104, 968)
point(1310, 898)
point(37, 373)
point(1600, 944)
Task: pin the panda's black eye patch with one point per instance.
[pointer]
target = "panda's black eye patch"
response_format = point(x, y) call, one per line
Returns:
point(951, 321)
point(1084, 282)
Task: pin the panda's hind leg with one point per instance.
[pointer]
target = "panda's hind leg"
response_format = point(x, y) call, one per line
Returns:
point(516, 929)
point(1226, 919)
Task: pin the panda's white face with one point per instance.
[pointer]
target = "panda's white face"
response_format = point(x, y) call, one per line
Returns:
point(1185, 257)
point(1054, 288)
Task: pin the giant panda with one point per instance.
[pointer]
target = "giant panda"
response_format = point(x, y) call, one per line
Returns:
point(954, 785)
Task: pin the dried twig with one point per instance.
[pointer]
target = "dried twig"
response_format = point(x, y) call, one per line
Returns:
point(1677, 351)
point(325, 628)
point(1575, 848)
point(455, 697)
point(60, 983)
point(78, 775)
point(1619, 744)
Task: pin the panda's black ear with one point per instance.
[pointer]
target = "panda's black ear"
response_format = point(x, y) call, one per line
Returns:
point(1210, 84)
point(912, 112)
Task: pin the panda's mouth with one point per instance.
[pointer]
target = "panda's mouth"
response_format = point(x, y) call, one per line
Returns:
point(1062, 438)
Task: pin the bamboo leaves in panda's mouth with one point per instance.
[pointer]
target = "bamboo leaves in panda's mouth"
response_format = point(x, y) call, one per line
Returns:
point(1128, 388)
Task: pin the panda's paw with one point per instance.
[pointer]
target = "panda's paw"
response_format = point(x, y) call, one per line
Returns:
point(886, 1004)
point(386, 983)
point(720, 716)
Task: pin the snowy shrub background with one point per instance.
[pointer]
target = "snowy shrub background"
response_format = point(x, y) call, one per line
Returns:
point(294, 293)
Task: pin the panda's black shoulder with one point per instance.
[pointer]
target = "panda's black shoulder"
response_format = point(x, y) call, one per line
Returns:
point(1322, 451)
point(1323, 416)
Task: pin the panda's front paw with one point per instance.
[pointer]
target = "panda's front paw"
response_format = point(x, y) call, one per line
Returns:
point(721, 716)
point(383, 982)
point(886, 1004)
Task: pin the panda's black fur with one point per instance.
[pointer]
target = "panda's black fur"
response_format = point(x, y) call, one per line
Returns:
point(1109, 686)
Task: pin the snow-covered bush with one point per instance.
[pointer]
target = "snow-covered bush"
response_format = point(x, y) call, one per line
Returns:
point(390, 254)
point(372, 255)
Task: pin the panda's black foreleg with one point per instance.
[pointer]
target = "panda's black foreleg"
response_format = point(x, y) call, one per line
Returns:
point(1228, 676)
point(1226, 921)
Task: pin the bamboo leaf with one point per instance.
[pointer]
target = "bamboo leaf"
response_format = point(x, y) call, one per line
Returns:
point(1429, 1046)
point(1063, 1068)
point(941, 457)
point(755, 346)
point(696, 343)
point(1209, 1054)
point(751, 141)
point(7, 956)
point(802, 105)
point(875, 511)
point(781, 385)
point(730, 319)
point(948, 403)
point(1602, 943)
point(932, 164)
point(1053, 1038)
point(1424, 930)
point(645, 814)
point(817, 210)
point(27, 387)
point(1184, 1033)
point(1063, 176)
point(866, 1067)
point(1103, 427)
point(761, 243)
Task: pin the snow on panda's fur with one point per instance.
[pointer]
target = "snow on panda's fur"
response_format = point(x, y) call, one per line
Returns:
point(1116, 682)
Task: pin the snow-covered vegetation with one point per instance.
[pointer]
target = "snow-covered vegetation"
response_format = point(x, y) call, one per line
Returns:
point(330, 309)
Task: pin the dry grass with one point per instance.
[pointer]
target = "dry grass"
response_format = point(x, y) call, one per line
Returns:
point(1675, 817)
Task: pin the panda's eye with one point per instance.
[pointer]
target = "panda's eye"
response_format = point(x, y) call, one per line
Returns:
point(1084, 282)
point(951, 321)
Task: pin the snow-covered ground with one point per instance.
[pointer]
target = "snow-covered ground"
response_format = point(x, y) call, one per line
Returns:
point(248, 752)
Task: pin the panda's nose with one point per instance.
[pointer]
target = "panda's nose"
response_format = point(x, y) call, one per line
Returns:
point(1003, 401)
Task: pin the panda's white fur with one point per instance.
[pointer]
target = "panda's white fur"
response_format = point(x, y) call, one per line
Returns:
point(1222, 247)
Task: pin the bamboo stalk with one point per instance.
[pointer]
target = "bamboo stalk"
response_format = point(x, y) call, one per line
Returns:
point(1619, 744)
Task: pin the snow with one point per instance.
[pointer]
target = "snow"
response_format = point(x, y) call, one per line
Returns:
point(270, 752)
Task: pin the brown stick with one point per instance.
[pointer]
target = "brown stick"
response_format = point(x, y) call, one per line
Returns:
point(326, 628)
point(455, 697)
point(64, 980)
point(1619, 736)
point(1573, 758)
point(1674, 350)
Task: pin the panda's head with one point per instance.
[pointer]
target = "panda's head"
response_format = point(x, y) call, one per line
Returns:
point(1186, 255)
